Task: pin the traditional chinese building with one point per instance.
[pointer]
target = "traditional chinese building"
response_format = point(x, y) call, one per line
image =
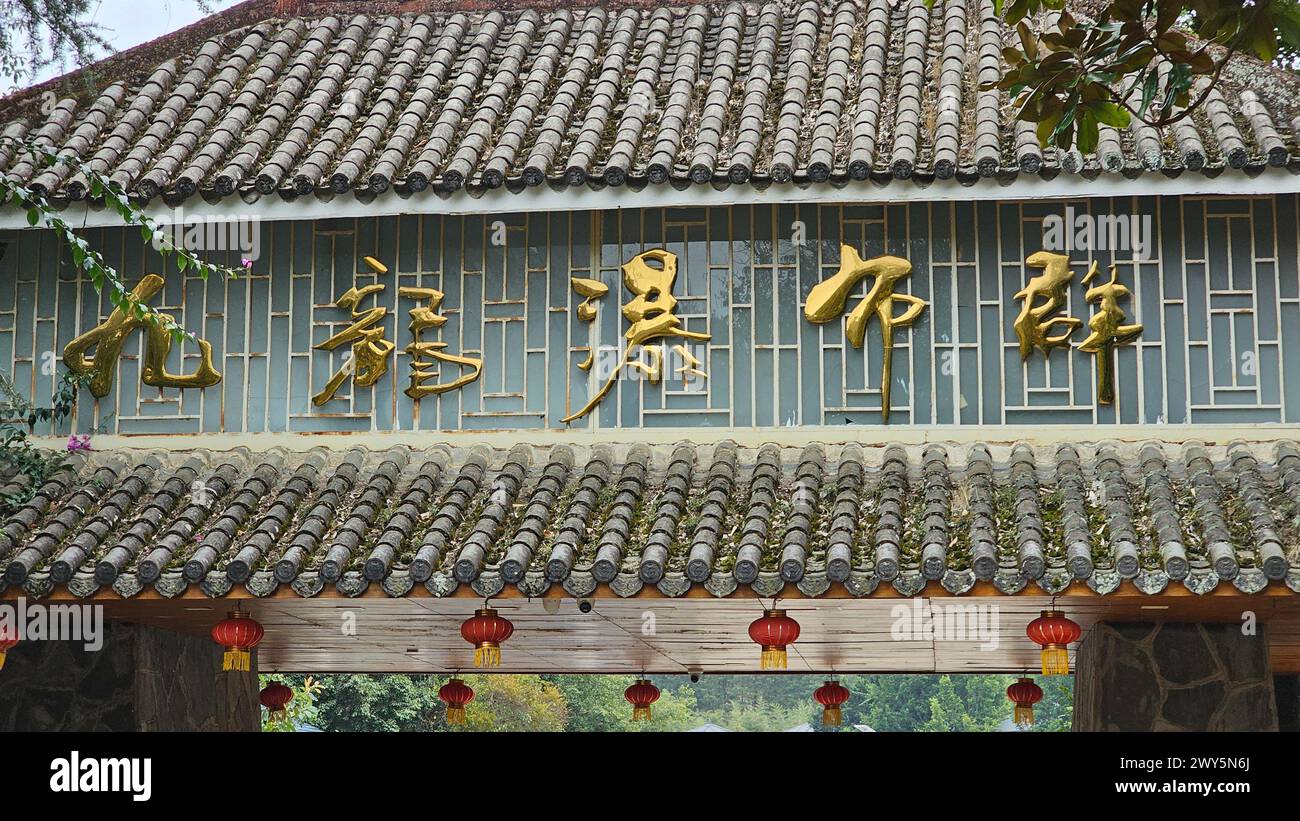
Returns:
point(673, 310)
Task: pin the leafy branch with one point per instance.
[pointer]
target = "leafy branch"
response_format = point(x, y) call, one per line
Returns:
point(86, 260)
point(1136, 60)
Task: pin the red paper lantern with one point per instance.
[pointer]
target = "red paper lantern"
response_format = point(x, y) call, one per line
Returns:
point(773, 632)
point(275, 697)
point(1024, 694)
point(8, 641)
point(238, 633)
point(641, 695)
point(1053, 631)
point(486, 631)
point(831, 696)
point(456, 694)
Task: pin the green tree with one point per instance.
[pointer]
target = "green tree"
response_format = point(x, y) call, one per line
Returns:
point(514, 703)
point(1151, 60)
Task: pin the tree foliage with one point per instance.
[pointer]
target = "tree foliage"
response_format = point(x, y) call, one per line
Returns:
point(35, 34)
point(593, 703)
point(1135, 59)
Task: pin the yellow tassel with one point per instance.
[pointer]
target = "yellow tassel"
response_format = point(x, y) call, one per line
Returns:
point(1056, 660)
point(831, 717)
point(236, 659)
point(773, 658)
point(2, 661)
point(1024, 716)
point(455, 715)
point(640, 713)
point(487, 655)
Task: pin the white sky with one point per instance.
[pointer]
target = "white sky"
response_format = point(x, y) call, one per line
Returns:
point(127, 23)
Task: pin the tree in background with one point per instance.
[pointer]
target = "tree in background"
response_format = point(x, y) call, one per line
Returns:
point(754, 703)
point(36, 34)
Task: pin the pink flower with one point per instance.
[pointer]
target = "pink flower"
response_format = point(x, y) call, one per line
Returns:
point(247, 263)
point(76, 443)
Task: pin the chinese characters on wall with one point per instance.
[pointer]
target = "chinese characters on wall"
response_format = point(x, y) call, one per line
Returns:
point(655, 344)
point(1043, 302)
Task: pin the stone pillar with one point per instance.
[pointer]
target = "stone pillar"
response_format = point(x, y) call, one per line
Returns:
point(143, 678)
point(1146, 676)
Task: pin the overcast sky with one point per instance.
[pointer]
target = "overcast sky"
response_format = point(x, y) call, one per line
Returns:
point(126, 23)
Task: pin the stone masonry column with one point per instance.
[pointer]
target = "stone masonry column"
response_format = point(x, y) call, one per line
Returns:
point(143, 678)
point(1147, 676)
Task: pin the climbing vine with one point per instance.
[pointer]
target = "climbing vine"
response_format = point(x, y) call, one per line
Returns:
point(24, 465)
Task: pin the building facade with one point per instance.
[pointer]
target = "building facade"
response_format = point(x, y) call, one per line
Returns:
point(694, 305)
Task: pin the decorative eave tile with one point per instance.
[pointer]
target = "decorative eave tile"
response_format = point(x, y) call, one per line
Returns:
point(814, 584)
point(768, 584)
point(579, 583)
point(38, 585)
point(861, 583)
point(171, 584)
point(1104, 582)
point(127, 585)
point(1250, 580)
point(307, 585)
point(1151, 582)
point(262, 583)
point(534, 584)
point(215, 584)
point(82, 585)
point(1293, 580)
point(397, 584)
point(1055, 580)
point(627, 584)
point(674, 585)
point(909, 582)
point(958, 582)
point(721, 585)
point(441, 584)
point(1009, 580)
point(488, 584)
point(1201, 582)
point(352, 584)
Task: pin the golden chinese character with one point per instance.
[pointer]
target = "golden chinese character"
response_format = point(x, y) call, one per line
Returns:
point(1035, 322)
point(827, 299)
point(369, 357)
point(108, 337)
point(1107, 328)
point(651, 312)
point(591, 290)
point(426, 355)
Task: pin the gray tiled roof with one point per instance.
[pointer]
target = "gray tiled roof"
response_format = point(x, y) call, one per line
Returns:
point(672, 516)
point(350, 98)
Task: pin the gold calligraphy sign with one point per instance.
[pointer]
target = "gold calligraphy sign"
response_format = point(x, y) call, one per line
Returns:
point(649, 276)
point(827, 299)
point(426, 356)
point(370, 350)
point(108, 337)
point(1043, 298)
point(1108, 329)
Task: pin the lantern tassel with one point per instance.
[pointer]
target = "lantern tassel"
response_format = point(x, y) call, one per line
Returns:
point(2, 660)
point(455, 715)
point(640, 713)
point(1056, 660)
point(1024, 715)
point(236, 659)
point(831, 717)
point(487, 655)
point(774, 658)
point(279, 715)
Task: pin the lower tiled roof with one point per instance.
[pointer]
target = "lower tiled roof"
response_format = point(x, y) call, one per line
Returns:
point(718, 516)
